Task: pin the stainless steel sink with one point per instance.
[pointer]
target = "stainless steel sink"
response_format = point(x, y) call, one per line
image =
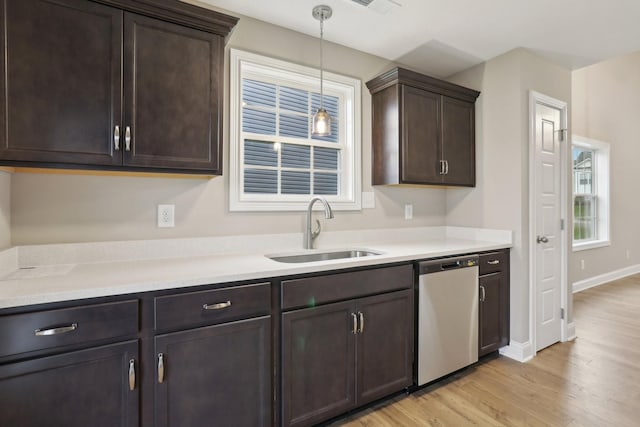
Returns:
point(323, 256)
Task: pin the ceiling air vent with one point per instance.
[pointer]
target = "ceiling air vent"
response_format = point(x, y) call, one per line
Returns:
point(363, 2)
point(380, 6)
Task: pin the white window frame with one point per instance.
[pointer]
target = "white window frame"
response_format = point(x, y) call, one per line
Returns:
point(347, 89)
point(600, 177)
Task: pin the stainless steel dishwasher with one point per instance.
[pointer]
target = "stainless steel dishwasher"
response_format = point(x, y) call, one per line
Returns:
point(447, 316)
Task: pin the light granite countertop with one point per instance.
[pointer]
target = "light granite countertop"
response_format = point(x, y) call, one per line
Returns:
point(51, 273)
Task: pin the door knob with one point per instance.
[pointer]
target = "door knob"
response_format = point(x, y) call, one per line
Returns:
point(542, 239)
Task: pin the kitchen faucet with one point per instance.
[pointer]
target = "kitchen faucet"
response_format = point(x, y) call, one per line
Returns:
point(309, 235)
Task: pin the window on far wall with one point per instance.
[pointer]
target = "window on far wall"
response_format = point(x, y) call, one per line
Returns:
point(276, 164)
point(590, 160)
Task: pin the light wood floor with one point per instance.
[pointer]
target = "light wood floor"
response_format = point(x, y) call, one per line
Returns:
point(592, 381)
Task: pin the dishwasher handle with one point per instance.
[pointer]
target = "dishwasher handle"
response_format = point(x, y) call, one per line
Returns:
point(451, 265)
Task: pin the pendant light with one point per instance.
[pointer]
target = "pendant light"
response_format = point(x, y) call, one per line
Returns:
point(321, 125)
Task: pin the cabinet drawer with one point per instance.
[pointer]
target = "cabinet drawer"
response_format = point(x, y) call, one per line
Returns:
point(493, 262)
point(211, 307)
point(311, 291)
point(20, 333)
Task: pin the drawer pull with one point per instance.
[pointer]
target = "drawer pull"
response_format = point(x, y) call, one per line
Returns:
point(494, 262)
point(132, 374)
point(217, 306)
point(160, 368)
point(56, 331)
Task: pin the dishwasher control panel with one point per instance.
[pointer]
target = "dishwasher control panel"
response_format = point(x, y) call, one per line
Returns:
point(444, 264)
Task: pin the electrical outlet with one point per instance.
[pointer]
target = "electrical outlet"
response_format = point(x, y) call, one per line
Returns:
point(408, 211)
point(628, 254)
point(166, 216)
point(582, 264)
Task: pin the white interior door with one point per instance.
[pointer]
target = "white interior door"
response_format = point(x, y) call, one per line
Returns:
point(547, 224)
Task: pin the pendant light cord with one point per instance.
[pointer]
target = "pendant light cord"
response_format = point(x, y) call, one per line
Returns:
point(321, 67)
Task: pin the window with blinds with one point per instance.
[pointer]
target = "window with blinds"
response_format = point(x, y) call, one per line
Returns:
point(278, 164)
point(280, 154)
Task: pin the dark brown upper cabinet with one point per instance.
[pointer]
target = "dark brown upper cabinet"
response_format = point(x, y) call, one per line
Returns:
point(423, 130)
point(112, 85)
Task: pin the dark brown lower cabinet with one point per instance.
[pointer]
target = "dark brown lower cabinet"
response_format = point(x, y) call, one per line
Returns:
point(215, 376)
point(343, 355)
point(385, 346)
point(78, 389)
point(318, 363)
point(494, 302)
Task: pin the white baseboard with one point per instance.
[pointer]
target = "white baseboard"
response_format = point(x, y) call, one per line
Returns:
point(571, 331)
point(604, 278)
point(522, 352)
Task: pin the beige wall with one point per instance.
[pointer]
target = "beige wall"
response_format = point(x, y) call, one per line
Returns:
point(607, 109)
point(501, 198)
point(70, 208)
point(5, 210)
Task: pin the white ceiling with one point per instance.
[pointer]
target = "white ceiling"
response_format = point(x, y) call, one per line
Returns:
point(441, 37)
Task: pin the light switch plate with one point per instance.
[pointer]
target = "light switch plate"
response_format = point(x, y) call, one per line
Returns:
point(166, 216)
point(368, 200)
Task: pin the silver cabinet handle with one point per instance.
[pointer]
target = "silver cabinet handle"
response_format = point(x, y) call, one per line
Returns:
point(132, 374)
point(446, 167)
point(441, 167)
point(56, 331)
point(483, 293)
point(116, 138)
point(542, 239)
point(493, 262)
point(127, 138)
point(361, 321)
point(160, 368)
point(217, 306)
point(354, 329)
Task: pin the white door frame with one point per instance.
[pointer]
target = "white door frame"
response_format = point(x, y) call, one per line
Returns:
point(539, 98)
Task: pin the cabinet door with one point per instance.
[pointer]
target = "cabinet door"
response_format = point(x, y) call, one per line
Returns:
point(420, 136)
point(60, 82)
point(458, 142)
point(318, 363)
point(218, 375)
point(173, 90)
point(492, 307)
point(79, 389)
point(384, 345)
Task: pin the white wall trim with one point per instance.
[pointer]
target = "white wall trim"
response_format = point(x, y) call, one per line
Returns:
point(571, 331)
point(601, 279)
point(522, 352)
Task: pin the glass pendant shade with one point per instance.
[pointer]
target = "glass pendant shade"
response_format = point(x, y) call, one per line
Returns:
point(321, 123)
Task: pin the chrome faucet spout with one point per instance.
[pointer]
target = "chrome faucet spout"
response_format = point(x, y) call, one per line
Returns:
point(309, 234)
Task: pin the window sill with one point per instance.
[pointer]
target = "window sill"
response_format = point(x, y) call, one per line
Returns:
point(592, 244)
point(288, 206)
